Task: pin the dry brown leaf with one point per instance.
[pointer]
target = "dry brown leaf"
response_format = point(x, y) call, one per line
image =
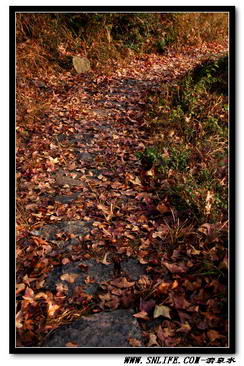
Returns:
point(152, 340)
point(71, 344)
point(134, 342)
point(162, 208)
point(52, 308)
point(19, 319)
point(163, 287)
point(213, 335)
point(29, 294)
point(122, 282)
point(209, 202)
point(185, 328)
point(134, 180)
point(20, 287)
point(65, 260)
point(69, 277)
point(105, 261)
point(175, 268)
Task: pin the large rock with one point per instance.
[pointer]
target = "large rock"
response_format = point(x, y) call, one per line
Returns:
point(80, 271)
point(49, 232)
point(107, 329)
point(81, 64)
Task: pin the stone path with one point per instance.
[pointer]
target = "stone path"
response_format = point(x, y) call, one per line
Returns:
point(103, 148)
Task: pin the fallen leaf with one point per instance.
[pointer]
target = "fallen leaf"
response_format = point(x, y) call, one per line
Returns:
point(69, 277)
point(174, 268)
point(161, 310)
point(134, 342)
point(105, 261)
point(52, 308)
point(147, 306)
point(29, 294)
point(141, 315)
point(163, 287)
point(134, 180)
point(20, 287)
point(65, 260)
point(122, 283)
point(152, 340)
point(185, 328)
point(162, 208)
point(180, 302)
point(213, 335)
point(19, 320)
point(71, 344)
point(209, 202)
point(108, 212)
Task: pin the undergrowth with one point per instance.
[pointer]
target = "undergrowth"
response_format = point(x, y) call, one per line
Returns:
point(188, 162)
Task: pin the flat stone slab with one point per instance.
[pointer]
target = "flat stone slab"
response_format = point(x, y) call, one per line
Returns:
point(132, 269)
point(50, 231)
point(105, 329)
point(62, 178)
point(75, 273)
point(67, 199)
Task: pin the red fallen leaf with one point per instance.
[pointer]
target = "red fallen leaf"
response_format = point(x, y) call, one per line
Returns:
point(202, 324)
point(180, 302)
point(184, 316)
point(122, 283)
point(174, 268)
point(134, 342)
point(162, 208)
point(147, 306)
point(69, 277)
point(71, 344)
point(213, 335)
point(212, 319)
point(141, 315)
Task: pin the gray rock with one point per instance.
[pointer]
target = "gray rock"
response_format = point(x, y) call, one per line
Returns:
point(67, 199)
point(81, 64)
point(133, 269)
point(97, 271)
point(106, 329)
point(49, 232)
point(85, 156)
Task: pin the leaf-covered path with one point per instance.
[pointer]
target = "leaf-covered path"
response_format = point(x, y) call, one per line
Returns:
point(95, 250)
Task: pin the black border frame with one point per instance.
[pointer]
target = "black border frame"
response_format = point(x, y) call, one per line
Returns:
point(232, 228)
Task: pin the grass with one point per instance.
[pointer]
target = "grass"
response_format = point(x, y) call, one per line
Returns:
point(191, 155)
